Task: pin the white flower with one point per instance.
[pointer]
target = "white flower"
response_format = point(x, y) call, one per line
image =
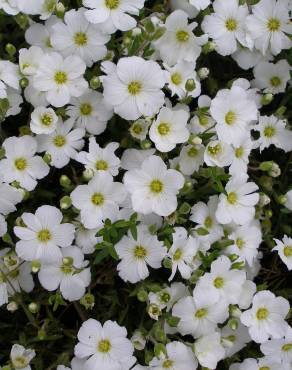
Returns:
point(268, 25)
point(132, 159)
point(177, 77)
point(153, 188)
point(90, 112)
point(204, 215)
point(9, 7)
point(266, 318)
point(39, 34)
point(104, 347)
point(29, 60)
point(258, 364)
point(209, 350)
point(288, 203)
point(76, 36)
point(43, 121)
point(200, 4)
point(233, 111)
point(98, 200)
point(181, 253)
point(169, 129)
point(279, 349)
point(246, 241)
point(179, 42)
point(43, 235)
point(3, 226)
point(137, 254)
point(284, 248)
point(112, 15)
point(69, 274)
point(21, 164)
point(272, 78)
point(240, 158)
point(14, 100)
point(133, 87)
point(238, 205)
point(60, 78)
point(226, 26)
point(218, 153)
point(62, 144)
point(178, 356)
point(86, 239)
point(21, 357)
point(139, 129)
point(199, 316)
point(234, 340)
point(10, 196)
point(9, 76)
point(191, 158)
point(273, 131)
point(221, 283)
point(167, 297)
point(98, 159)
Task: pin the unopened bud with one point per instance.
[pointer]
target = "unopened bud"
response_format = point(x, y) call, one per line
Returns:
point(275, 170)
point(142, 295)
point(47, 158)
point(35, 266)
point(65, 202)
point(282, 199)
point(145, 144)
point(138, 340)
point(95, 83)
point(65, 181)
point(33, 307)
point(203, 73)
point(190, 84)
point(267, 99)
point(60, 10)
point(12, 306)
point(24, 82)
point(233, 324)
point(208, 47)
point(10, 49)
point(88, 174)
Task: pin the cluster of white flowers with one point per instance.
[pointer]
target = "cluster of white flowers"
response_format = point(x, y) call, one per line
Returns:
point(152, 156)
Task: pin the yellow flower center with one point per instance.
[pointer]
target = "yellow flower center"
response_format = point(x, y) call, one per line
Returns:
point(192, 152)
point(104, 346)
point(182, 36)
point(239, 152)
point(230, 118)
point(269, 131)
point(164, 297)
point(218, 282)
point(231, 24)
point(208, 222)
point(97, 199)
point(214, 150)
point(80, 38)
point(46, 119)
point(134, 87)
point(163, 128)
point(44, 236)
point(60, 77)
point(20, 164)
point(240, 243)
point(167, 364)
point(202, 312)
point(275, 81)
point(59, 141)
point(274, 24)
point(20, 362)
point(156, 186)
point(137, 128)
point(176, 78)
point(288, 251)
point(140, 252)
point(101, 165)
point(177, 254)
point(232, 198)
point(265, 368)
point(262, 313)
point(287, 347)
point(112, 4)
point(85, 109)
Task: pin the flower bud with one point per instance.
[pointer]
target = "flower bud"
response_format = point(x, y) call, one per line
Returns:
point(60, 10)
point(208, 47)
point(173, 321)
point(138, 340)
point(47, 158)
point(88, 301)
point(203, 73)
point(10, 49)
point(190, 84)
point(267, 99)
point(158, 333)
point(88, 174)
point(95, 83)
point(65, 202)
point(266, 166)
point(12, 306)
point(24, 82)
point(33, 307)
point(275, 170)
point(282, 199)
point(160, 350)
point(233, 324)
point(154, 311)
point(35, 266)
point(145, 144)
point(264, 200)
point(65, 181)
point(167, 263)
point(41, 334)
point(142, 295)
